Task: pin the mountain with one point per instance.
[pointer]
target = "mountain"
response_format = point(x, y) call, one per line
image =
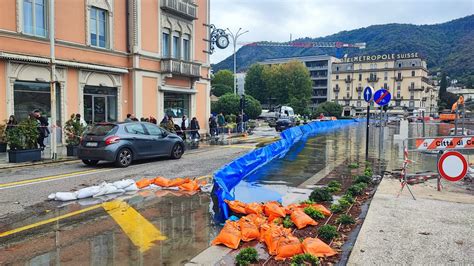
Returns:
point(446, 46)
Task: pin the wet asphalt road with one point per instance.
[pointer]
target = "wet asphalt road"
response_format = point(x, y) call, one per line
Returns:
point(69, 176)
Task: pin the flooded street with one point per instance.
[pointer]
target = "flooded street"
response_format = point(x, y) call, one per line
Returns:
point(165, 227)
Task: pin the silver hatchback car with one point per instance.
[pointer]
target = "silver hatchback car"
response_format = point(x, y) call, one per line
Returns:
point(125, 142)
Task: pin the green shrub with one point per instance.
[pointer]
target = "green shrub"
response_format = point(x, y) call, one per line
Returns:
point(327, 232)
point(363, 179)
point(24, 136)
point(344, 203)
point(308, 201)
point(349, 198)
point(345, 219)
point(320, 195)
point(287, 222)
point(246, 256)
point(336, 208)
point(313, 213)
point(333, 189)
point(357, 189)
point(304, 259)
point(335, 183)
point(353, 165)
point(368, 171)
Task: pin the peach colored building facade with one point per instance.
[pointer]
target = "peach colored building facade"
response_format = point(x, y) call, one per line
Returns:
point(112, 57)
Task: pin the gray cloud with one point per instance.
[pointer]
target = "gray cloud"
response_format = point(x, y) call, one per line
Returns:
point(275, 20)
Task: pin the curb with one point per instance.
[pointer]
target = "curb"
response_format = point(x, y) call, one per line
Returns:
point(48, 161)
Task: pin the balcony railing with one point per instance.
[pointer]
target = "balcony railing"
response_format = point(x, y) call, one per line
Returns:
point(348, 80)
point(336, 89)
point(373, 79)
point(175, 66)
point(415, 89)
point(359, 89)
point(398, 78)
point(180, 8)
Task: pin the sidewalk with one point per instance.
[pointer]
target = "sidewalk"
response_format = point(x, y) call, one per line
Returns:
point(435, 229)
point(45, 158)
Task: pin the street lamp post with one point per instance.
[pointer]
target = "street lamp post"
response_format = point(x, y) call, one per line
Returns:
point(234, 42)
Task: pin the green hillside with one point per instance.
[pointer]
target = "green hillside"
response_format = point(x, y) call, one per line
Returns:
point(447, 46)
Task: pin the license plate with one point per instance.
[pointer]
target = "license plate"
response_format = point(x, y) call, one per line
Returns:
point(91, 144)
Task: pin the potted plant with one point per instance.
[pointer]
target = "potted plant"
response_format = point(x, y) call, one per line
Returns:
point(73, 130)
point(23, 142)
point(3, 138)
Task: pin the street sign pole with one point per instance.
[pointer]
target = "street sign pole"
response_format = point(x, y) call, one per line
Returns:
point(381, 98)
point(368, 95)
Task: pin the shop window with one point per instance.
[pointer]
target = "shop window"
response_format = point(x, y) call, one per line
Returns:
point(100, 104)
point(30, 96)
point(165, 43)
point(35, 17)
point(186, 48)
point(176, 46)
point(98, 27)
point(176, 104)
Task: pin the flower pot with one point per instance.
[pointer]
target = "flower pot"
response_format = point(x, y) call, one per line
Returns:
point(3, 147)
point(19, 156)
point(72, 150)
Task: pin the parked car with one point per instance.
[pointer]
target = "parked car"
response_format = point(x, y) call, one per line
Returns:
point(123, 143)
point(283, 123)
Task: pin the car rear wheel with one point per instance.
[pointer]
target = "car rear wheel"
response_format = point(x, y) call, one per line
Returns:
point(90, 162)
point(124, 158)
point(177, 151)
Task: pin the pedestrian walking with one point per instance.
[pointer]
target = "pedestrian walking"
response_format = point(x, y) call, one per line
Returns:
point(239, 123)
point(195, 129)
point(11, 123)
point(220, 122)
point(42, 128)
point(170, 124)
point(184, 122)
point(213, 126)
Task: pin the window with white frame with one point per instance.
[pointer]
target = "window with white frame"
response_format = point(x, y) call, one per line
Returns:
point(175, 46)
point(98, 27)
point(165, 43)
point(186, 47)
point(35, 17)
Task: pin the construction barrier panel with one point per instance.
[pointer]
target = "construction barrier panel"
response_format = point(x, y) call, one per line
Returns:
point(227, 177)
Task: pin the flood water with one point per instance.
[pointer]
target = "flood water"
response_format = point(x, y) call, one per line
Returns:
point(180, 223)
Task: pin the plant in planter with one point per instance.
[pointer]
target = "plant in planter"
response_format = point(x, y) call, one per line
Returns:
point(3, 138)
point(22, 141)
point(304, 259)
point(246, 256)
point(73, 130)
point(328, 232)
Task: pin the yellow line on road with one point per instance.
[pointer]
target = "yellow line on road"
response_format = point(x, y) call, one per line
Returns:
point(239, 146)
point(30, 226)
point(141, 232)
point(34, 180)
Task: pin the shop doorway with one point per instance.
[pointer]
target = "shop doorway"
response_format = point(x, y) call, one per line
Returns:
point(100, 104)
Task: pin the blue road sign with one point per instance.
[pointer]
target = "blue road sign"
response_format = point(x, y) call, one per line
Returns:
point(382, 97)
point(368, 93)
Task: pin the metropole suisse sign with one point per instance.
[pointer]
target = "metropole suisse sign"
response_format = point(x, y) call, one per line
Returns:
point(368, 93)
point(452, 166)
point(382, 97)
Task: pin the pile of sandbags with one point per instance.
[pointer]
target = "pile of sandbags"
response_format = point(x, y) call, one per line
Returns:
point(185, 184)
point(103, 189)
point(260, 224)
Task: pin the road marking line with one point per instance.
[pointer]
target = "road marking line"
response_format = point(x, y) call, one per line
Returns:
point(139, 230)
point(47, 221)
point(51, 178)
point(239, 146)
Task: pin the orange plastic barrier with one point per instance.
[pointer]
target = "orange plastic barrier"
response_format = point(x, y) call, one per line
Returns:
point(190, 186)
point(318, 248)
point(288, 246)
point(248, 229)
point(161, 181)
point(301, 219)
point(229, 236)
point(274, 210)
point(144, 182)
point(254, 208)
point(236, 206)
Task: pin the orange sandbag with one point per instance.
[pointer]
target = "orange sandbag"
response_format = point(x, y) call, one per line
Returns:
point(178, 181)
point(254, 208)
point(229, 236)
point(190, 186)
point(272, 235)
point(258, 220)
point(318, 248)
point(236, 206)
point(161, 181)
point(288, 247)
point(248, 229)
point(273, 210)
point(144, 182)
point(301, 219)
point(290, 208)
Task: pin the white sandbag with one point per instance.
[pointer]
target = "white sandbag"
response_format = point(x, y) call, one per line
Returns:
point(207, 188)
point(87, 192)
point(123, 183)
point(106, 189)
point(65, 196)
point(52, 196)
point(132, 187)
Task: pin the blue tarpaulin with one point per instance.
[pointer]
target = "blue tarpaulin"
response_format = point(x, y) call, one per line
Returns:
point(227, 177)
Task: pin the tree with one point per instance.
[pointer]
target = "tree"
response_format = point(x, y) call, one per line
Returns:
point(255, 84)
point(230, 104)
point(298, 86)
point(221, 89)
point(329, 109)
point(446, 99)
point(225, 77)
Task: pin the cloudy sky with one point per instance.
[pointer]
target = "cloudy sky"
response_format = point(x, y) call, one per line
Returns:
point(275, 20)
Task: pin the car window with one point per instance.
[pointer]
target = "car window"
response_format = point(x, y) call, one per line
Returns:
point(99, 130)
point(153, 130)
point(135, 129)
